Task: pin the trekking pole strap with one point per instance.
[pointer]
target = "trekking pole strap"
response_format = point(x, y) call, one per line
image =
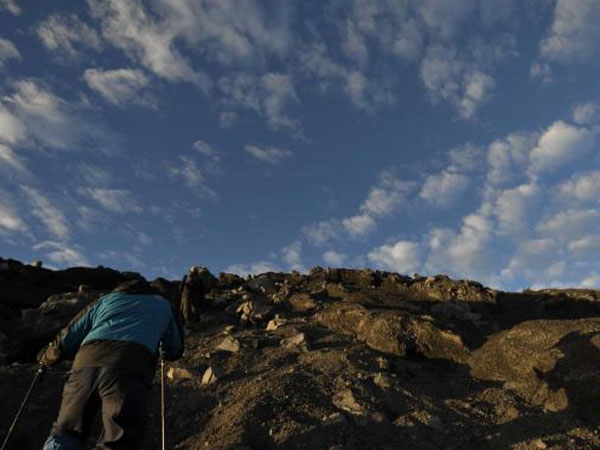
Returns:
point(38, 375)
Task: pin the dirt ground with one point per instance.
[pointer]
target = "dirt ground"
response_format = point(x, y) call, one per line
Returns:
point(355, 366)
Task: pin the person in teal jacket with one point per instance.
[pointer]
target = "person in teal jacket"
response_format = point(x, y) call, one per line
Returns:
point(114, 344)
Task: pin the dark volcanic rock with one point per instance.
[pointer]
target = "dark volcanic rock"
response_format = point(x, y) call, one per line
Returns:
point(24, 286)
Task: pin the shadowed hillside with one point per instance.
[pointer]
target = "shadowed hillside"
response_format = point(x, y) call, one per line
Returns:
point(337, 360)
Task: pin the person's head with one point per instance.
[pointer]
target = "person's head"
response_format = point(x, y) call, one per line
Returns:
point(137, 286)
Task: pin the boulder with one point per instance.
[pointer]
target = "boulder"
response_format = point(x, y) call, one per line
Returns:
point(551, 363)
point(229, 281)
point(254, 311)
point(276, 323)
point(346, 401)
point(394, 332)
point(229, 344)
point(263, 284)
point(211, 375)
point(298, 340)
point(302, 303)
point(180, 373)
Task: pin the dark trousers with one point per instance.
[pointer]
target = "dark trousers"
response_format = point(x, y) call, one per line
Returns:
point(120, 395)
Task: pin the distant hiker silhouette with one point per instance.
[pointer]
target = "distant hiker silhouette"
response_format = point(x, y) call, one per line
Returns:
point(192, 295)
point(114, 342)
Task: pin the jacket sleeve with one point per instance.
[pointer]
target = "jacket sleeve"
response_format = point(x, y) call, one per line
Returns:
point(69, 339)
point(172, 340)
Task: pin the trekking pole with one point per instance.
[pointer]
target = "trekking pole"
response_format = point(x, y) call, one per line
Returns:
point(162, 396)
point(38, 375)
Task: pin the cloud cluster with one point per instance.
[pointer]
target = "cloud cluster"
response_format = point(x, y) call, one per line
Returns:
point(68, 35)
point(383, 200)
point(11, 6)
point(33, 116)
point(120, 201)
point(270, 155)
point(270, 96)
point(193, 174)
point(574, 34)
point(522, 233)
point(7, 51)
point(120, 86)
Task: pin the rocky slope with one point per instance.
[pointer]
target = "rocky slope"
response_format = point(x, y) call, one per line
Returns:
point(338, 360)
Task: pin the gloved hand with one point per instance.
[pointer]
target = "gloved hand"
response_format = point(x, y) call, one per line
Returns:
point(49, 355)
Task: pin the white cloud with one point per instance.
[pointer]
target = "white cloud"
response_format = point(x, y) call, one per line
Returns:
point(68, 35)
point(11, 162)
point(128, 26)
point(586, 113)
point(229, 31)
point(227, 119)
point(292, 256)
point(493, 12)
point(508, 158)
point(59, 252)
point(570, 224)
point(334, 258)
point(53, 219)
point(34, 115)
point(280, 92)
point(402, 257)
point(592, 281)
point(514, 208)
point(445, 188)
point(253, 268)
point(467, 252)
point(574, 34)
point(7, 51)
point(319, 233)
point(360, 225)
point(12, 129)
point(11, 6)
point(364, 93)
point(560, 143)
point(270, 96)
point(530, 259)
point(446, 17)
point(387, 196)
point(187, 170)
point(383, 200)
point(271, 155)
point(121, 86)
point(93, 175)
point(586, 244)
point(10, 220)
point(447, 75)
point(541, 71)
point(205, 149)
point(212, 166)
point(223, 31)
point(467, 158)
point(115, 200)
point(583, 187)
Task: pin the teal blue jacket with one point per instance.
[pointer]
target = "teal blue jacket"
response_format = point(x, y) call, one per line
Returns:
point(142, 320)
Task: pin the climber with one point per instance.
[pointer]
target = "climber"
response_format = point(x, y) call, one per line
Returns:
point(192, 295)
point(114, 342)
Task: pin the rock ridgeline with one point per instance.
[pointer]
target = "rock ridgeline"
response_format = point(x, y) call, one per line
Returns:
point(340, 359)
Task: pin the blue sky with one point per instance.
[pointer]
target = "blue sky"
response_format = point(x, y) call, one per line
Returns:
point(420, 136)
